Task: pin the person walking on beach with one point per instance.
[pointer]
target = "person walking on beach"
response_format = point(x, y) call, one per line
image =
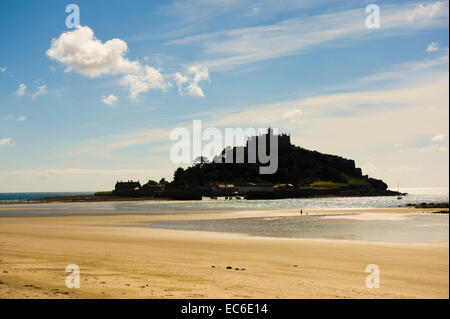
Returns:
point(301, 212)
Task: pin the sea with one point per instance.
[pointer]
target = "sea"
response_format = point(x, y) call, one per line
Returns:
point(21, 197)
point(414, 196)
point(419, 227)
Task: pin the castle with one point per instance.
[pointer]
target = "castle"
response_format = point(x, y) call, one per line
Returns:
point(284, 140)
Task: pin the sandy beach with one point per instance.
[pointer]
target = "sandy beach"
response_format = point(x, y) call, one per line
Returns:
point(120, 258)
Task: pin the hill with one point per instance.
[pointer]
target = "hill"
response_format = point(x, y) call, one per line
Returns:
point(296, 165)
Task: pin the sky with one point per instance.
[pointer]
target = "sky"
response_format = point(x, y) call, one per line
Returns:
point(83, 107)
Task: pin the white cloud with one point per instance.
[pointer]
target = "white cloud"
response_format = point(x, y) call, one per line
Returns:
point(3, 69)
point(109, 143)
point(6, 142)
point(432, 47)
point(110, 99)
point(439, 137)
point(293, 116)
point(79, 50)
point(188, 84)
point(147, 79)
point(180, 80)
point(21, 89)
point(42, 90)
point(425, 12)
point(228, 49)
point(22, 118)
point(408, 70)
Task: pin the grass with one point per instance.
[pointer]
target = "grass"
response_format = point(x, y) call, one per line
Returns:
point(106, 193)
point(358, 182)
point(327, 184)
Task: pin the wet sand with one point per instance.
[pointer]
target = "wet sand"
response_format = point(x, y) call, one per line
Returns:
point(121, 258)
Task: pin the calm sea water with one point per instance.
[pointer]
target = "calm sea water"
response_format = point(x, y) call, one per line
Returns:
point(374, 227)
point(415, 195)
point(17, 197)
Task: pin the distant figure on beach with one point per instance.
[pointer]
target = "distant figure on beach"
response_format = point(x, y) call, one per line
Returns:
point(301, 212)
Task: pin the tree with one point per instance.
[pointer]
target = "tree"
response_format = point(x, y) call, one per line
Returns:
point(164, 183)
point(201, 160)
point(178, 175)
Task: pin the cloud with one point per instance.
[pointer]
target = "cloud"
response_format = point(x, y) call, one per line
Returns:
point(407, 114)
point(293, 116)
point(109, 143)
point(188, 84)
point(408, 70)
point(79, 50)
point(42, 90)
point(345, 107)
point(147, 79)
point(22, 118)
point(425, 12)
point(432, 47)
point(439, 137)
point(70, 178)
point(225, 50)
point(6, 142)
point(110, 99)
point(3, 69)
point(21, 89)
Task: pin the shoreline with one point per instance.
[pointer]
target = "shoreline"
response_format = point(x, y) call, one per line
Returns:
point(112, 198)
point(120, 258)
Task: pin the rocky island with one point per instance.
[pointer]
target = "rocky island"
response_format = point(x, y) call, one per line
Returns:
point(301, 173)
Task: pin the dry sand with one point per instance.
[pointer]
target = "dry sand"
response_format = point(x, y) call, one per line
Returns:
point(119, 258)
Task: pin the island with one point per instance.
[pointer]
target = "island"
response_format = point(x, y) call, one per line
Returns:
point(301, 173)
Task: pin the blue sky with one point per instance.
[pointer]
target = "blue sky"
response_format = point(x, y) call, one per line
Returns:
point(99, 102)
